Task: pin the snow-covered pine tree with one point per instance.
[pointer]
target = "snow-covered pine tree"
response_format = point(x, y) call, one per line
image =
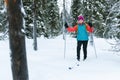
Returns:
point(99, 15)
point(51, 18)
point(3, 21)
point(76, 10)
point(28, 5)
point(112, 20)
point(112, 28)
point(47, 20)
point(100, 11)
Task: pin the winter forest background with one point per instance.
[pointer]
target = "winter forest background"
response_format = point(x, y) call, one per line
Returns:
point(104, 14)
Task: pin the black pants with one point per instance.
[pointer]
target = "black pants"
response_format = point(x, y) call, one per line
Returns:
point(79, 44)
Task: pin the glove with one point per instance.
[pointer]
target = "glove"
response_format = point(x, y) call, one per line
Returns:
point(66, 25)
point(90, 24)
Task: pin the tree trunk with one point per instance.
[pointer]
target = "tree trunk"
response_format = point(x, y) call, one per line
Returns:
point(17, 40)
point(34, 27)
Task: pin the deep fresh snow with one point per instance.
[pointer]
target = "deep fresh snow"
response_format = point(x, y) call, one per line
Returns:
point(48, 62)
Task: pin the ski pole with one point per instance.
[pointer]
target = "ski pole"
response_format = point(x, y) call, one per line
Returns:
point(64, 34)
point(94, 46)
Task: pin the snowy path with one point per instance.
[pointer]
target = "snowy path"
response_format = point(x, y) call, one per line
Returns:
point(48, 62)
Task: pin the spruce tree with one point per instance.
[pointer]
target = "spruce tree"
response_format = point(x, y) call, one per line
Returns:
point(47, 19)
point(76, 10)
point(112, 28)
point(51, 18)
point(3, 21)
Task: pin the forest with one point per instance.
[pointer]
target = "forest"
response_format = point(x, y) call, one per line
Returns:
point(104, 14)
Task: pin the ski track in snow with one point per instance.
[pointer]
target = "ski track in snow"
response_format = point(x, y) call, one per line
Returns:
point(48, 62)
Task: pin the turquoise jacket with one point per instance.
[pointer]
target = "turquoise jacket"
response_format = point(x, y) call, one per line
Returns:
point(82, 31)
point(82, 34)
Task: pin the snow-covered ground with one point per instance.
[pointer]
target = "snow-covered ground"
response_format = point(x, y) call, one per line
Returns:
point(48, 62)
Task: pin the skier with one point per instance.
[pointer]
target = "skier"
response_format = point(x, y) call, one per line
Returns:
point(82, 30)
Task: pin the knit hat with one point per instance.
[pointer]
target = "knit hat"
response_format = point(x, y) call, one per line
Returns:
point(80, 18)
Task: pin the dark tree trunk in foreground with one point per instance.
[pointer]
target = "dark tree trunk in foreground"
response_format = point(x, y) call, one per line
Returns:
point(17, 40)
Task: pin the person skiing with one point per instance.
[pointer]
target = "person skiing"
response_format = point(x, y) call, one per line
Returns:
point(82, 35)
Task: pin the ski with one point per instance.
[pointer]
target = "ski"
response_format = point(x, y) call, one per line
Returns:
point(73, 66)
